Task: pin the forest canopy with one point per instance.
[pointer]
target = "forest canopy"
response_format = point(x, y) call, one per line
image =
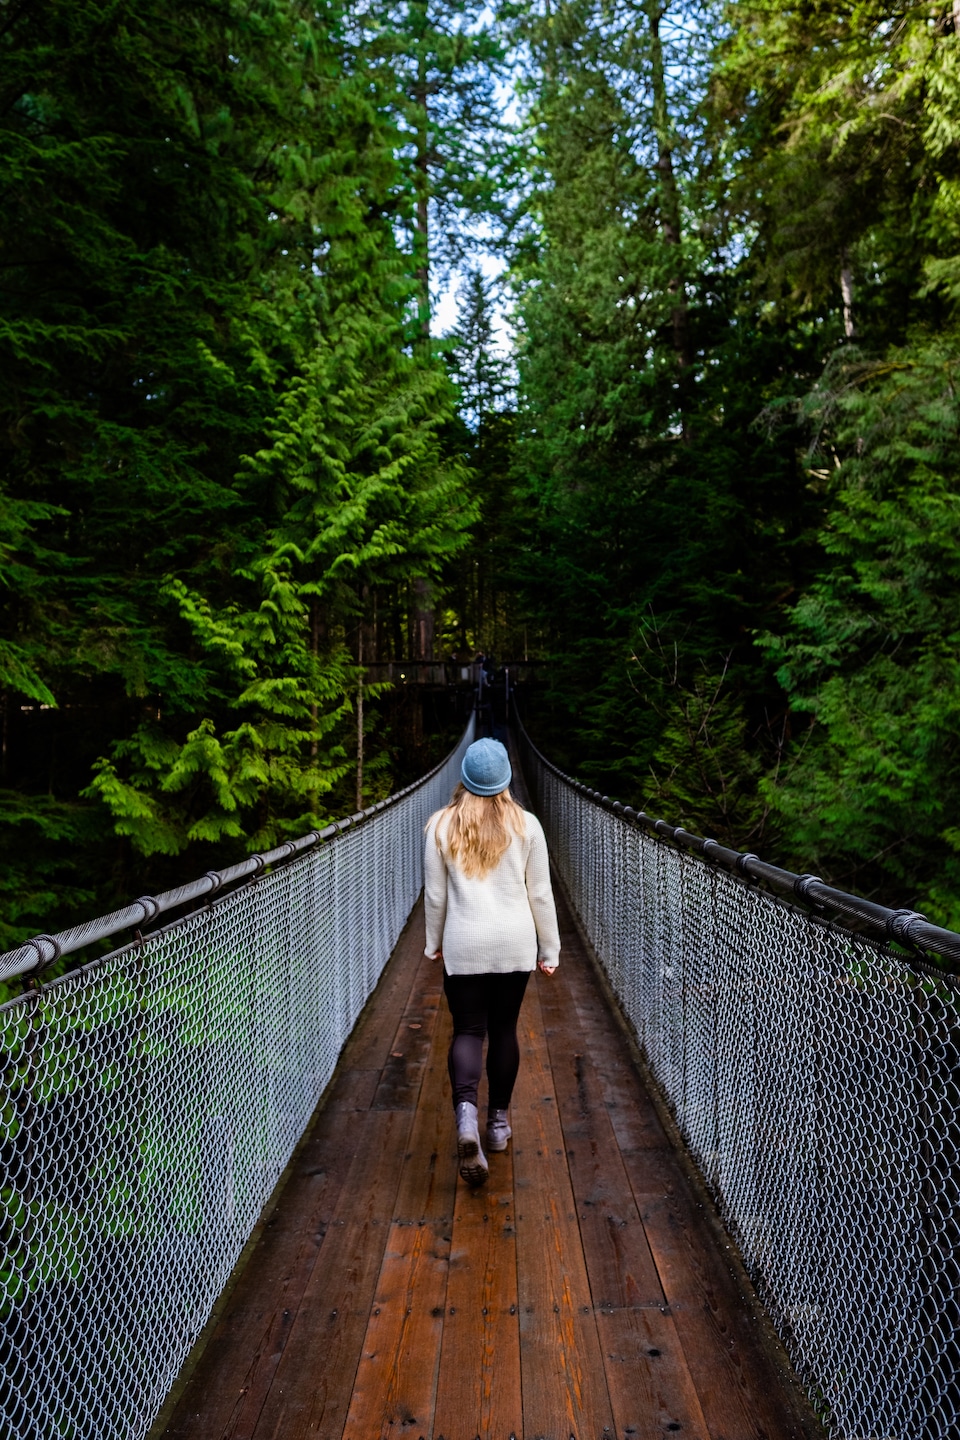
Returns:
point(689, 447)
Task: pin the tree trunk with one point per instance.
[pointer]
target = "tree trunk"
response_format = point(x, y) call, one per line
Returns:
point(368, 625)
point(315, 650)
point(670, 223)
point(397, 626)
point(423, 620)
point(846, 290)
point(360, 715)
point(421, 234)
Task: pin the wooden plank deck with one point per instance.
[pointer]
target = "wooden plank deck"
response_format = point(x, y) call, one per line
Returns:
point(580, 1295)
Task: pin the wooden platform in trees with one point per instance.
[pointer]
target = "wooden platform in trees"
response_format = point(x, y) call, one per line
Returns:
point(579, 1296)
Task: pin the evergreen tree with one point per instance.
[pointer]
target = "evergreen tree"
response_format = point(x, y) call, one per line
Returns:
point(443, 57)
point(850, 120)
point(871, 793)
point(669, 524)
point(485, 585)
point(214, 435)
point(233, 471)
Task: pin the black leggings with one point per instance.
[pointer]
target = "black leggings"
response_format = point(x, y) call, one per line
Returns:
point(480, 1004)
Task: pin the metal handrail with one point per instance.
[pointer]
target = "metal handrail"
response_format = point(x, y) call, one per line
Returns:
point(811, 1068)
point(151, 1098)
point(906, 927)
point(39, 953)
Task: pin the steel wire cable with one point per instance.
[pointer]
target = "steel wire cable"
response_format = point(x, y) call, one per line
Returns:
point(814, 1074)
point(150, 1101)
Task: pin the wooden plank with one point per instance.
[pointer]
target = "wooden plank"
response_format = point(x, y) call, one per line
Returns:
point(313, 1382)
point(277, 1301)
point(741, 1392)
point(227, 1391)
point(622, 1093)
point(396, 1378)
point(479, 1383)
point(355, 1092)
point(335, 1306)
point(563, 1379)
point(651, 1389)
point(402, 1076)
point(373, 1040)
point(710, 1372)
point(619, 1263)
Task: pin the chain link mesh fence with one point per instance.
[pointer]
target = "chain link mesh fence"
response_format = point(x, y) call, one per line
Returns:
point(151, 1100)
point(813, 1073)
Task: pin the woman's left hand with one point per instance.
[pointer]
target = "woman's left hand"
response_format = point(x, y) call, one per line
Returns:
point(544, 968)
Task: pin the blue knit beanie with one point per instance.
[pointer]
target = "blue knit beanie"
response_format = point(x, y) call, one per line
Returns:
point(486, 768)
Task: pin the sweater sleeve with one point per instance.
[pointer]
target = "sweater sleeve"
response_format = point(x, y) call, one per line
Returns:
point(434, 890)
point(540, 895)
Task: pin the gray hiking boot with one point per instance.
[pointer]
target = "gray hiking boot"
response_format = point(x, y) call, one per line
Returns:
point(498, 1130)
point(473, 1163)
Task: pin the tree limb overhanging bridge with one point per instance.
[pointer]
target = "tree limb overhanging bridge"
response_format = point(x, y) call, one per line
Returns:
point(794, 1037)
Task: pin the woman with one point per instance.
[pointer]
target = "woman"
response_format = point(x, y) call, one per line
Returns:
point(491, 919)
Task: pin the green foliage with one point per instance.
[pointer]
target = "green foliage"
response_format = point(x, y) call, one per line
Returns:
point(799, 485)
point(871, 655)
point(848, 124)
point(830, 109)
point(714, 489)
point(662, 511)
point(215, 440)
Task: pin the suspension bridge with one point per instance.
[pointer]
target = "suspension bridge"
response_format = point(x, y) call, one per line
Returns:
point(229, 1203)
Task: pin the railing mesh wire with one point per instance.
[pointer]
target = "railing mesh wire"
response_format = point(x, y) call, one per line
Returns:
point(151, 1101)
point(814, 1076)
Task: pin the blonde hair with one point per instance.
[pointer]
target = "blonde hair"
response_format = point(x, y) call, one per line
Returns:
point(477, 829)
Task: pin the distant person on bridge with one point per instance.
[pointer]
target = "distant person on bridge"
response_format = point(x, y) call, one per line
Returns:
point(492, 920)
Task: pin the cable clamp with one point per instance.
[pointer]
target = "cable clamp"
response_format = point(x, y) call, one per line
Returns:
point(741, 862)
point(151, 908)
point(801, 888)
point(898, 927)
point(45, 956)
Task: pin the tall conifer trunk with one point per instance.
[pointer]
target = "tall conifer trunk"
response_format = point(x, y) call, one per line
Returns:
point(360, 715)
point(421, 234)
point(315, 628)
point(670, 222)
point(423, 614)
point(846, 291)
point(423, 621)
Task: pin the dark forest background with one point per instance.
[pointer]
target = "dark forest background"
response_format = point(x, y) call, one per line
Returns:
point(710, 488)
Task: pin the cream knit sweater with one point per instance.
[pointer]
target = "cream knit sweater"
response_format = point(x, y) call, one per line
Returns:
point(506, 921)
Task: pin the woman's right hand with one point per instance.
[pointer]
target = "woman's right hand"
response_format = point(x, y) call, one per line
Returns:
point(544, 968)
